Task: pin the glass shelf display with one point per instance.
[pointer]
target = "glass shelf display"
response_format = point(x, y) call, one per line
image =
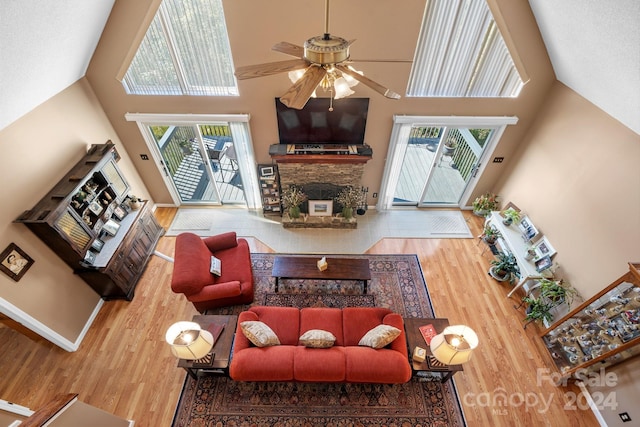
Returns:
point(603, 331)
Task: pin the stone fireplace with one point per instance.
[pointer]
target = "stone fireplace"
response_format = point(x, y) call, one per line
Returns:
point(339, 170)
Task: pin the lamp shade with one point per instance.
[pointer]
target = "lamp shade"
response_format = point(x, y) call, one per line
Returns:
point(454, 345)
point(188, 340)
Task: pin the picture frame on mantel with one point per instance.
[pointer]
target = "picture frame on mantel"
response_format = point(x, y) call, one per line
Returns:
point(320, 207)
point(14, 262)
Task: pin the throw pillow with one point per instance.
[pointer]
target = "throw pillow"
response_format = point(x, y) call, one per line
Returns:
point(379, 336)
point(259, 333)
point(317, 338)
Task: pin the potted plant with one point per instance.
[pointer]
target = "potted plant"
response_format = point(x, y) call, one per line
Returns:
point(557, 291)
point(490, 234)
point(449, 147)
point(510, 216)
point(504, 267)
point(529, 253)
point(292, 199)
point(349, 198)
point(484, 204)
point(186, 146)
point(537, 310)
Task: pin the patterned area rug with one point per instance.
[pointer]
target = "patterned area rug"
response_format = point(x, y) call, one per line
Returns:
point(396, 283)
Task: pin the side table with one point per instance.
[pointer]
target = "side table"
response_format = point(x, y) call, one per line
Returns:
point(415, 339)
point(221, 348)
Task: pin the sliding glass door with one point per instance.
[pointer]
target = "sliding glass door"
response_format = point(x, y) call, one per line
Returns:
point(433, 161)
point(204, 161)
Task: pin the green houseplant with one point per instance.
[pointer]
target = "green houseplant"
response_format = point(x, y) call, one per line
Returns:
point(484, 204)
point(349, 198)
point(557, 291)
point(537, 310)
point(504, 267)
point(510, 216)
point(292, 199)
point(490, 234)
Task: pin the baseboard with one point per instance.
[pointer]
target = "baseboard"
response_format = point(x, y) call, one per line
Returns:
point(592, 404)
point(43, 330)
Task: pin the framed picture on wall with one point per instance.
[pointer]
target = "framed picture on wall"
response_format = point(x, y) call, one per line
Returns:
point(14, 262)
point(320, 207)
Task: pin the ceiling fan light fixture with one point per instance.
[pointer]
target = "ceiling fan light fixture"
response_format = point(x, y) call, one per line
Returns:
point(350, 80)
point(342, 89)
point(296, 75)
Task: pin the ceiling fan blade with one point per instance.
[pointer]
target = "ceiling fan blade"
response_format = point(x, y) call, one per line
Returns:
point(298, 95)
point(261, 70)
point(367, 81)
point(289, 49)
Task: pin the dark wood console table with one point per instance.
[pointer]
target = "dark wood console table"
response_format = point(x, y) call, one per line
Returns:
point(290, 267)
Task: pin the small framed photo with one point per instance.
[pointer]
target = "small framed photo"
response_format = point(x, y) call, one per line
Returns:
point(529, 231)
point(111, 227)
point(543, 263)
point(95, 207)
point(97, 245)
point(119, 212)
point(14, 262)
point(267, 171)
point(320, 207)
point(543, 248)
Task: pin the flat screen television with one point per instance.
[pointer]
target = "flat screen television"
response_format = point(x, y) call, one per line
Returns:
point(315, 124)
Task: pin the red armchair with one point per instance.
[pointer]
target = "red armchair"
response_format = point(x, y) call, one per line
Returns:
point(191, 275)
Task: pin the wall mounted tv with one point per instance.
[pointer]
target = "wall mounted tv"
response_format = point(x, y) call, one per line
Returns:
point(315, 124)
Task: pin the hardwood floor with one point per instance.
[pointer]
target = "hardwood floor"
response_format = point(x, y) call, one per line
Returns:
point(124, 366)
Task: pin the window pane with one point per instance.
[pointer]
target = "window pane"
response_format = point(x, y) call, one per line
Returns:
point(461, 53)
point(185, 51)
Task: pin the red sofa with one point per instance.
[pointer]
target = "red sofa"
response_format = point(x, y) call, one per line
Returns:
point(191, 275)
point(345, 361)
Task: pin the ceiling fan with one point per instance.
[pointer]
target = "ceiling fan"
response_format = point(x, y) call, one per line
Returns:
point(324, 61)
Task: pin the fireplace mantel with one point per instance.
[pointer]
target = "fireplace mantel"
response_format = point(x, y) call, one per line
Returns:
point(321, 158)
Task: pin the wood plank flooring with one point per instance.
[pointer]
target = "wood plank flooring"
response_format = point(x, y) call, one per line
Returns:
point(124, 366)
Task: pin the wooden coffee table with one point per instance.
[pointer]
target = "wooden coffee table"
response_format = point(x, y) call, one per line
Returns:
point(221, 348)
point(289, 267)
point(415, 338)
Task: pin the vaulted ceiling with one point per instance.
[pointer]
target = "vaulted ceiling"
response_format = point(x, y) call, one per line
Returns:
point(593, 46)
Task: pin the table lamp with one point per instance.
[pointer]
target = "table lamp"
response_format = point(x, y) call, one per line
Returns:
point(454, 345)
point(188, 340)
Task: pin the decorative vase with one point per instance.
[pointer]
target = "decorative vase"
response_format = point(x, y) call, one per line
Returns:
point(507, 221)
point(347, 213)
point(294, 212)
point(134, 204)
point(481, 212)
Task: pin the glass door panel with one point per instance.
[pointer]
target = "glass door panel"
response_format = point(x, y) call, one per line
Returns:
point(201, 162)
point(418, 161)
point(459, 151)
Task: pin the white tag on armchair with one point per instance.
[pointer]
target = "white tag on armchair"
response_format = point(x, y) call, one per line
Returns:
point(215, 266)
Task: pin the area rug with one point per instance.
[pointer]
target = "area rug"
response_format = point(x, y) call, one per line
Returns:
point(396, 283)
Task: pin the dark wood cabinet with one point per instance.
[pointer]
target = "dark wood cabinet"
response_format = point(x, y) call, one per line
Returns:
point(86, 221)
